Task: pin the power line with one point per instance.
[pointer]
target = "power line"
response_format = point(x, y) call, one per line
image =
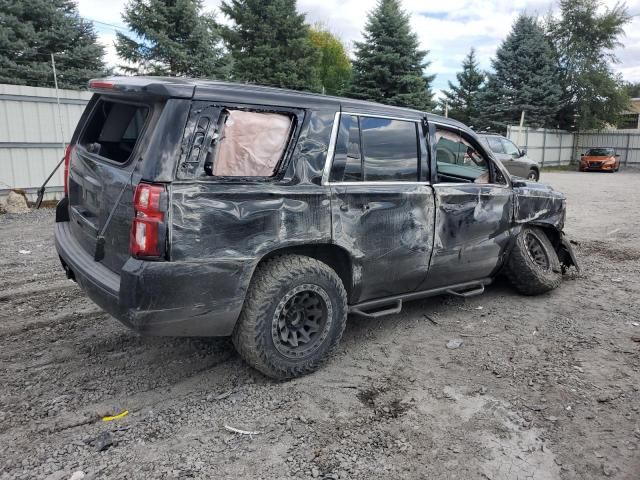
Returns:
point(115, 27)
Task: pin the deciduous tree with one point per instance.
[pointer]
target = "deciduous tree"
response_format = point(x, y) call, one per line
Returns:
point(585, 36)
point(334, 66)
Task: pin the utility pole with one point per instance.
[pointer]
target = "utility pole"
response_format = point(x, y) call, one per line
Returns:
point(520, 129)
point(55, 82)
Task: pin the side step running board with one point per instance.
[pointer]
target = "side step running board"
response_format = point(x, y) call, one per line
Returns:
point(393, 304)
point(467, 293)
point(380, 313)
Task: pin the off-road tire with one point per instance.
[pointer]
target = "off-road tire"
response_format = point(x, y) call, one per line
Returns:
point(527, 276)
point(273, 281)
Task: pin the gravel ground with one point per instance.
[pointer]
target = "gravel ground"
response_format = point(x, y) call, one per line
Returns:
point(541, 388)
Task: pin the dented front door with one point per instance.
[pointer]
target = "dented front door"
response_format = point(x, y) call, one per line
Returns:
point(472, 232)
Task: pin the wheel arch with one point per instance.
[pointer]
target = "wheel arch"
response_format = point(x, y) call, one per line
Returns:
point(336, 257)
point(559, 243)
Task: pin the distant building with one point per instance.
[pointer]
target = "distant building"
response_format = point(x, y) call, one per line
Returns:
point(631, 118)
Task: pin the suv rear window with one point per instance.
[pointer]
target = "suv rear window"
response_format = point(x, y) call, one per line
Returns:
point(113, 129)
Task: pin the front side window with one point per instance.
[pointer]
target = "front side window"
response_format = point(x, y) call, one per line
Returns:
point(390, 149)
point(495, 144)
point(113, 129)
point(510, 148)
point(458, 160)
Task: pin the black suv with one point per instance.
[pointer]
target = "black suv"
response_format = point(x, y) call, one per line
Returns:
point(211, 209)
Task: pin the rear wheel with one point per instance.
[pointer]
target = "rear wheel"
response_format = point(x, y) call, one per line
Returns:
point(293, 316)
point(534, 176)
point(533, 266)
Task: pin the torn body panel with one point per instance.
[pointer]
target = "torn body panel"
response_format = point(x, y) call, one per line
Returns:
point(471, 234)
point(540, 205)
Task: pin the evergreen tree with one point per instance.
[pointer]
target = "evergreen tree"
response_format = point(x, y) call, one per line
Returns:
point(526, 77)
point(388, 66)
point(172, 37)
point(269, 43)
point(334, 66)
point(31, 31)
point(584, 40)
point(461, 100)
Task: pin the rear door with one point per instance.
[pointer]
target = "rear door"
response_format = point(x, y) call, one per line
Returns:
point(101, 173)
point(382, 205)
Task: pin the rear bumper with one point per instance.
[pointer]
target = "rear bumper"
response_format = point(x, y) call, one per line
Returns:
point(160, 298)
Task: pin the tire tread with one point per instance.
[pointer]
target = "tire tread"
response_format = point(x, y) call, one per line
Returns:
point(254, 317)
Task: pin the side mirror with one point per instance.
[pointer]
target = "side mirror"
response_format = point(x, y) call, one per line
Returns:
point(523, 152)
point(617, 155)
point(518, 183)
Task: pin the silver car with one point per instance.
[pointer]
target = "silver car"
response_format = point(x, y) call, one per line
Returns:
point(512, 157)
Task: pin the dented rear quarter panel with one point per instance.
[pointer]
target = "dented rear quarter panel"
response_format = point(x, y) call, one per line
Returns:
point(231, 224)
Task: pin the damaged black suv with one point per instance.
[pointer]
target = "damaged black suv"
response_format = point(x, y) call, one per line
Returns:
point(211, 209)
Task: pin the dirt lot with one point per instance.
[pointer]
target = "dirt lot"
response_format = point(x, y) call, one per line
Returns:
point(541, 388)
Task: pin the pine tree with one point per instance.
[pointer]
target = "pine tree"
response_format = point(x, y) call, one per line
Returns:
point(462, 99)
point(31, 31)
point(526, 77)
point(388, 66)
point(172, 37)
point(334, 66)
point(585, 40)
point(269, 43)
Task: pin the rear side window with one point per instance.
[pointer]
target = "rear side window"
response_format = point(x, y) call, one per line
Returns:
point(390, 149)
point(375, 149)
point(114, 128)
point(249, 144)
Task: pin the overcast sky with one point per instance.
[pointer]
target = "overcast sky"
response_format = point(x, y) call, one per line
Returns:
point(447, 29)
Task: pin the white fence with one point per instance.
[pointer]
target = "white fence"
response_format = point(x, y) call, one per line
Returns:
point(559, 147)
point(31, 141)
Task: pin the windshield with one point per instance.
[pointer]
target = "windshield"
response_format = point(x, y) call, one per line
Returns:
point(600, 152)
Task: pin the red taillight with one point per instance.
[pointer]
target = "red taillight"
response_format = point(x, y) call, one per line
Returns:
point(148, 224)
point(100, 84)
point(67, 160)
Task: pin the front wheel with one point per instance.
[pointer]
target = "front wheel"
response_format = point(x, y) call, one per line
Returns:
point(293, 317)
point(534, 176)
point(533, 266)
